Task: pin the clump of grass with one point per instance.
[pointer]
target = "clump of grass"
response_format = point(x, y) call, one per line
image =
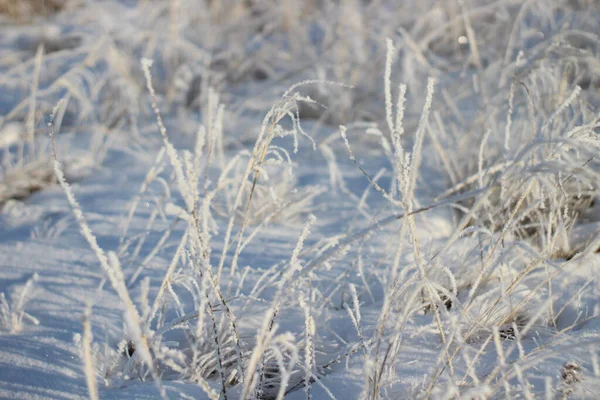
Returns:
point(20, 183)
point(279, 364)
point(26, 9)
point(13, 315)
point(203, 363)
point(547, 180)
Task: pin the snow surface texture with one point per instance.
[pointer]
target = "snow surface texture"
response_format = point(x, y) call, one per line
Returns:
point(318, 199)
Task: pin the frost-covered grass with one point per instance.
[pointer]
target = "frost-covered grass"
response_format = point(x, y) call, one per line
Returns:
point(12, 314)
point(301, 200)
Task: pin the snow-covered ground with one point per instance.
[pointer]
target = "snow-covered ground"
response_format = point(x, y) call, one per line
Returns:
point(262, 199)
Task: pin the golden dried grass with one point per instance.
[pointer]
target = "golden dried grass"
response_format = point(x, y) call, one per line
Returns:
point(24, 9)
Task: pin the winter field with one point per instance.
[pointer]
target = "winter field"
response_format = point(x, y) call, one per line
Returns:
point(269, 199)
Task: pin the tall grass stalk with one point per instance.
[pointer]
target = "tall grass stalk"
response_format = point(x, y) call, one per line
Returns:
point(110, 266)
point(88, 361)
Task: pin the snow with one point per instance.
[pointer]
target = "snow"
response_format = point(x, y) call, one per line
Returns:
point(223, 243)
